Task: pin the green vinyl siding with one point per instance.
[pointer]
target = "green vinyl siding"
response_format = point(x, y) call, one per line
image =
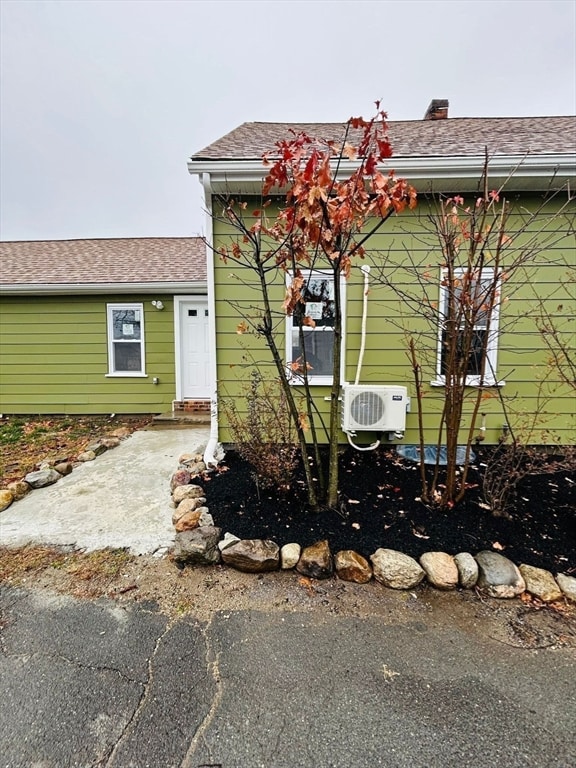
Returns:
point(538, 403)
point(54, 357)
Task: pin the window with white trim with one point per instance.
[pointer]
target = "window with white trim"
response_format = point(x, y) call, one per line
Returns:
point(125, 339)
point(473, 314)
point(318, 352)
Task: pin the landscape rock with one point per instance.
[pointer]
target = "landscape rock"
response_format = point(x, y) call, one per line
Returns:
point(289, 555)
point(180, 477)
point(467, 569)
point(198, 547)
point(441, 570)
point(110, 442)
point(121, 432)
point(19, 489)
point(6, 498)
point(181, 492)
point(50, 462)
point(42, 478)
point(97, 448)
point(252, 555)
point(316, 561)
point(498, 576)
point(193, 462)
point(227, 541)
point(197, 468)
point(540, 583)
point(190, 458)
point(350, 566)
point(189, 520)
point(206, 518)
point(395, 569)
point(186, 507)
point(568, 585)
point(64, 467)
point(86, 456)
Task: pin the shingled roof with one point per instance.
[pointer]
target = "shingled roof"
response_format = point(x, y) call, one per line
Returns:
point(452, 137)
point(92, 263)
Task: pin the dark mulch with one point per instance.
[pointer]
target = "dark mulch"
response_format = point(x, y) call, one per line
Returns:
point(379, 508)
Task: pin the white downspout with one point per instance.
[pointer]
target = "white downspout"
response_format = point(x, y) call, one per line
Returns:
point(213, 452)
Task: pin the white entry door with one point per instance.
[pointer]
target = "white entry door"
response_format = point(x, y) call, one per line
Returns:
point(194, 349)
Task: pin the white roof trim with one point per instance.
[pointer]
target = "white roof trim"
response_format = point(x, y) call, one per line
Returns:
point(74, 289)
point(529, 172)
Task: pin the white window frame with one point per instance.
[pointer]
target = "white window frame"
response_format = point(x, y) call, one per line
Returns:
point(490, 375)
point(110, 308)
point(313, 380)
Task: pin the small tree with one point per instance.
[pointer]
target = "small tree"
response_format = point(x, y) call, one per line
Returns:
point(328, 215)
point(481, 253)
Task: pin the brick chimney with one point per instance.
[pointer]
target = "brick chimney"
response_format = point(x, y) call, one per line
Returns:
point(437, 110)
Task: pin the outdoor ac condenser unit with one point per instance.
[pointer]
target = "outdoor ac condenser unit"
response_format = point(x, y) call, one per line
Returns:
point(367, 408)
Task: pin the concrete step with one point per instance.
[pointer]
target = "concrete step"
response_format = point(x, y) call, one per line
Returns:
point(180, 419)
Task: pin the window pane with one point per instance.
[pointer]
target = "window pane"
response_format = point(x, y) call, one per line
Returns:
point(319, 346)
point(477, 294)
point(475, 356)
point(127, 356)
point(318, 293)
point(126, 323)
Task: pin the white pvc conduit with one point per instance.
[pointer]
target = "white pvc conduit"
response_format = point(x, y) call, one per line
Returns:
point(366, 272)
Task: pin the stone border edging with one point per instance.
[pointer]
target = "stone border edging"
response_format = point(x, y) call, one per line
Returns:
point(200, 542)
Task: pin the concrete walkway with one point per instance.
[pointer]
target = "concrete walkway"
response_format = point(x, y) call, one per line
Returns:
point(122, 499)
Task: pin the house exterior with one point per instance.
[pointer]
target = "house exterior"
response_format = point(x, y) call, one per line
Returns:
point(531, 157)
point(103, 326)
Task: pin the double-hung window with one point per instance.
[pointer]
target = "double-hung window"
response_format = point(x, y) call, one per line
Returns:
point(126, 340)
point(315, 350)
point(469, 310)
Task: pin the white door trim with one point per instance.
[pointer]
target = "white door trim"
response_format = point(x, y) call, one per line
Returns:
point(178, 301)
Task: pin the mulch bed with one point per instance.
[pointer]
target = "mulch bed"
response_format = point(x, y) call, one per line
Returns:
point(379, 507)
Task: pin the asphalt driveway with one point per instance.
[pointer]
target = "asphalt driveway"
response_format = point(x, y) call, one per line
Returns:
point(100, 684)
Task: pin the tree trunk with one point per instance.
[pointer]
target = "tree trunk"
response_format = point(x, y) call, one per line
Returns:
point(332, 491)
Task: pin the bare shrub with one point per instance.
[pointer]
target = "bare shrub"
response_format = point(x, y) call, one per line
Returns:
point(509, 463)
point(265, 435)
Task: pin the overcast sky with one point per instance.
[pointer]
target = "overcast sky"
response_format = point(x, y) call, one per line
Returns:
point(103, 101)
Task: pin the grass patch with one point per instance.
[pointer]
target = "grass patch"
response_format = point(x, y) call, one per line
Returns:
point(101, 564)
point(17, 563)
point(85, 574)
point(11, 431)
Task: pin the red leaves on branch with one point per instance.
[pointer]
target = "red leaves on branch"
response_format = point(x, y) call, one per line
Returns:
point(384, 148)
point(293, 293)
point(332, 190)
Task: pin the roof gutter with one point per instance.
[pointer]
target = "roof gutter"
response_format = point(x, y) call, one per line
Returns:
point(69, 289)
point(562, 166)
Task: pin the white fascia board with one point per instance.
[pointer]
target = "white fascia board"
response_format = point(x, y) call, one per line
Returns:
point(74, 289)
point(238, 174)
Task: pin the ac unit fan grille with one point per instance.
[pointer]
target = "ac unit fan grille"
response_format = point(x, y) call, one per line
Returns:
point(367, 408)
